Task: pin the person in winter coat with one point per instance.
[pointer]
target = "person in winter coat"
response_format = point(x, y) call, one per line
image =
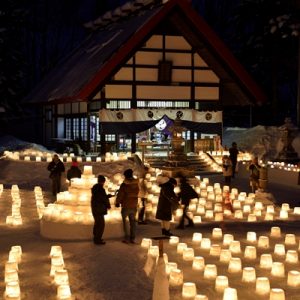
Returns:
point(233, 154)
point(167, 203)
point(99, 204)
point(254, 169)
point(186, 194)
point(127, 197)
point(143, 196)
point(227, 169)
point(74, 171)
point(56, 167)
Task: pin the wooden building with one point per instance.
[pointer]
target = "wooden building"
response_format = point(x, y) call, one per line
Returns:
point(145, 61)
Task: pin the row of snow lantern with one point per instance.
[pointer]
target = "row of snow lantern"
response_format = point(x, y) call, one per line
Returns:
point(57, 272)
point(46, 156)
point(234, 264)
point(15, 218)
point(39, 201)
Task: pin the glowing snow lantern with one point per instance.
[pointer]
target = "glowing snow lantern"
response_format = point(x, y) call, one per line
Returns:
point(221, 283)
point(283, 215)
point(262, 286)
point(189, 290)
point(215, 250)
point(61, 277)
point(12, 290)
point(235, 247)
point(11, 275)
point(291, 257)
point(205, 244)
point(250, 252)
point(176, 277)
point(188, 254)
point(279, 249)
point(225, 255)
point(249, 275)
point(277, 269)
point(201, 297)
point(290, 239)
point(266, 261)
point(275, 232)
point(293, 278)
point(153, 251)
point(181, 247)
point(227, 239)
point(198, 263)
point(230, 294)
point(217, 233)
point(277, 294)
point(170, 266)
point(252, 218)
point(64, 292)
point(55, 250)
point(146, 243)
point(235, 265)
point(174, 240)
point(263, 242)
point(210, 272)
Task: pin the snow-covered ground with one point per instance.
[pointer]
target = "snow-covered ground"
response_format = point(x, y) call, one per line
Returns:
point(116, 270)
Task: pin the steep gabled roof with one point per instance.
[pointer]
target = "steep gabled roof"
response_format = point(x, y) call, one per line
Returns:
point(79, 76)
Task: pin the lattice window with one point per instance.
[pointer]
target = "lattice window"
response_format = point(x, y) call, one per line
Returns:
point(68, 128)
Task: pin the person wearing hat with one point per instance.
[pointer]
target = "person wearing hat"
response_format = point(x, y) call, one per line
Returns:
point(167, 203)
point(127, 197)
point(99, 204)
point(74, 171)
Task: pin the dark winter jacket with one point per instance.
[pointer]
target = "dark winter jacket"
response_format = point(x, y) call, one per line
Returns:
point(128, 193)
point(166, 201)
point(187, 193)
point(100, 200)
point(73, 172)
point(55, 168)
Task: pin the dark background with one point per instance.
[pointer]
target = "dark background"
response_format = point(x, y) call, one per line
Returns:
point(262, 34)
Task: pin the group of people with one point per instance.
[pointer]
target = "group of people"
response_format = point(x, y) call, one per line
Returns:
point(229, 168)
point(132, 189)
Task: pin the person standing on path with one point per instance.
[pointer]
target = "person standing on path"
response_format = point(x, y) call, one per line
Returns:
point(254, 169)
point(99, 204)
point(233, 155)
point(186, 194)
point(56, 167)
point(227, 169)
point(143, 196)
point(167, 203)
point(127, 197)
point(74, 171)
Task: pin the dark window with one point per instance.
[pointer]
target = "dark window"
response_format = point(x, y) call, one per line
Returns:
point(165, 71)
